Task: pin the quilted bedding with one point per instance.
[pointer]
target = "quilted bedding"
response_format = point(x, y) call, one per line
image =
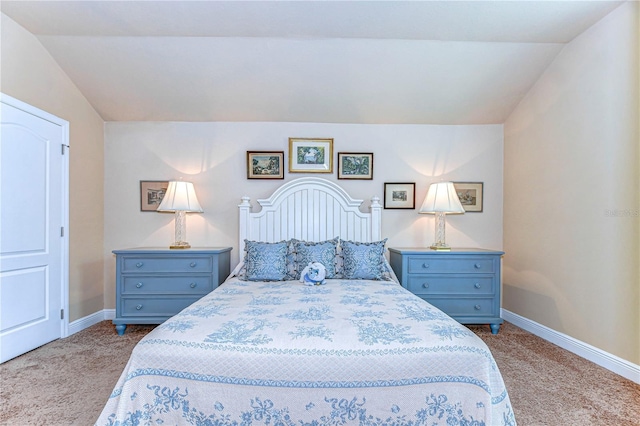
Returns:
point(282, 353)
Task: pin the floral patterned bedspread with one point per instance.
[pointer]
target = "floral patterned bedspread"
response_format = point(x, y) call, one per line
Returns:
point(282, 353)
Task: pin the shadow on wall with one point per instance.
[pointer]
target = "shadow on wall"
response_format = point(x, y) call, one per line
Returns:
point(512, 300)
point(89, 298)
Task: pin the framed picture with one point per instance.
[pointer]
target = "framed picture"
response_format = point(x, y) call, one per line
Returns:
point(265, 164)
point(310, 155)
point(151, 194)
point(355, 165)
point(400, 195)
point(470, 194)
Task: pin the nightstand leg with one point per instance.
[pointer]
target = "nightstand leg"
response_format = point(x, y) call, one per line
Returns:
point(495, 328)
point(120, 328)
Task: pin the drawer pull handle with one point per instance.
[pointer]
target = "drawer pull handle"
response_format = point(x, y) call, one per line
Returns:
point(193, 264)
point(138, 307)
point(425, 285)
point(138, 285)
point(477, 285)
point(477, 266)
point(193, 285)
point(139, 265)
point(477, 307)
point(425, 265)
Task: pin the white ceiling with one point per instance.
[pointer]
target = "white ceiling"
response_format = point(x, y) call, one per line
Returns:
point(431, 62)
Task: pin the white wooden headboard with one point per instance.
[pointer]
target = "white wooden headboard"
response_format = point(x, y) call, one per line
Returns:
point(310, 209)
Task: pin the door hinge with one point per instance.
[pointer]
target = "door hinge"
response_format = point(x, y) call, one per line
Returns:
point(63, 146)
point(61, 313)
point(62, 231)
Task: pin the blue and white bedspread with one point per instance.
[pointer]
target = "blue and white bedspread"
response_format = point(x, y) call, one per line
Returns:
point(282, 353)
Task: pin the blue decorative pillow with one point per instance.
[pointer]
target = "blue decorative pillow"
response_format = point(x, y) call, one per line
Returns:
point(292, 269)
point(323, 252)
point(265, 261)
point(363, 261)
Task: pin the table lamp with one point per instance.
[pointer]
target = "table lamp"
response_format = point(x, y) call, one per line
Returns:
point(441, 200)
point(181, 199)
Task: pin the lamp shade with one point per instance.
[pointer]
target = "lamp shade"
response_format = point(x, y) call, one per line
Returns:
point(442, 198)
point(180, 196)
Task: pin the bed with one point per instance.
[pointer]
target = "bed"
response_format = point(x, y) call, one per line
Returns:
point(359, 349)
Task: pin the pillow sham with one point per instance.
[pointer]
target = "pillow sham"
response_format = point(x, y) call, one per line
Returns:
point(265, 261)
point(324, 252)
point(363, 261)
point(292, 270)
point(239, 271)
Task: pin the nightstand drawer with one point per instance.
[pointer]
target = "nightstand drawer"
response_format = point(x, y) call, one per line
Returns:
point(440, 284)
point(450, 264)
point(166, 264)
point(158, 307)
point(154, 283)
point(190, 284)
point(458, 307)
point(463, 283)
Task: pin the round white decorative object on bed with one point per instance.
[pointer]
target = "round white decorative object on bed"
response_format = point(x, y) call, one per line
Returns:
point(313, 274)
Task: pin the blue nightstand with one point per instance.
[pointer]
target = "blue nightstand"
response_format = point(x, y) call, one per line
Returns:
point(153, 284)
point(464, 283)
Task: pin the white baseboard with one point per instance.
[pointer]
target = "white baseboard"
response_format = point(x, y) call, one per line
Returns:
point(89, 320)
point(604, 359)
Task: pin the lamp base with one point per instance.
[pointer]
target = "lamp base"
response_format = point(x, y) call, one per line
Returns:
point(440, 244)
point(440, 247)
point(180, 245)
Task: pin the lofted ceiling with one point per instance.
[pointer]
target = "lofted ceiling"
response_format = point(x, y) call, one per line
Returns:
point(409, 62)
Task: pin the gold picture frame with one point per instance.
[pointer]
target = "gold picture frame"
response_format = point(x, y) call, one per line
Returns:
point(310, 155)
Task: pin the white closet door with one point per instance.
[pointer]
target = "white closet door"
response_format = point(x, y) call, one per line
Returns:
point(32, 216)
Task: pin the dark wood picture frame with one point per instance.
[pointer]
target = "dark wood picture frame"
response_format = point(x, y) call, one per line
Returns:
point(399, 195)
point(151, 194)
point(471, 195)
point(355, 165)
point(265, 164)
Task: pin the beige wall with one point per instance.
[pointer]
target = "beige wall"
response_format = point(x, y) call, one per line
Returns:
point(32, 76)
point(571, 156)
point(571, 192)
point(213, 156)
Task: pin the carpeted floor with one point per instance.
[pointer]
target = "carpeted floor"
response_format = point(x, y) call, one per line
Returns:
point(67, 382)
point(551, 386)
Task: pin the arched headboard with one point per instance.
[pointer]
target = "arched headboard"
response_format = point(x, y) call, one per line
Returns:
point(310, 209)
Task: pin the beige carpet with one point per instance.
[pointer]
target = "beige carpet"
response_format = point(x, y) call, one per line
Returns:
point(67, 382)
point(551, 386)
